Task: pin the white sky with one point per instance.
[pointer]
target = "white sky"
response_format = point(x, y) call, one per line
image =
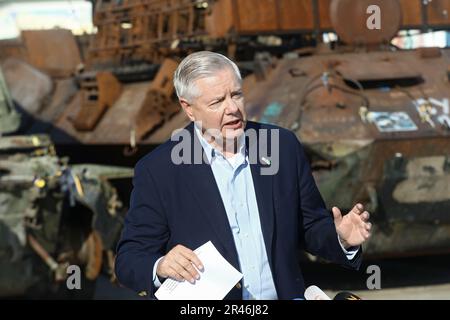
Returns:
point(75, 15)
point(418, 40)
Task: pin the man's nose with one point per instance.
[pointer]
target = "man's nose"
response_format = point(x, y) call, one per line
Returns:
point(230, 106)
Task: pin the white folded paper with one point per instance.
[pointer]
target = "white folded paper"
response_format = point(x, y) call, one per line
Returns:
point(315, 293)
point(216, 280)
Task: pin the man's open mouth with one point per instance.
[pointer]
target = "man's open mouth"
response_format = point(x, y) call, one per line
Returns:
point(233, 123)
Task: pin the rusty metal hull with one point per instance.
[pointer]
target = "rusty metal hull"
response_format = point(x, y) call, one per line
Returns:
point(374, 123)
point(116, 125)
point(376, 128)
point(108, 111)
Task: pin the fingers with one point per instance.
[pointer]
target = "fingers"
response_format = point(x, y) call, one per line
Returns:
point(336, 213)
point(191, 256)
point(365, 230)
point(365, 224)
point(365, 234)
point(174, 274)
point(179, 265)
point(186, 270)
point(365, 216)
point(358, 209)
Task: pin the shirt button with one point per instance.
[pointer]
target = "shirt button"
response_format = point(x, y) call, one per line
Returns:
point(246, 235)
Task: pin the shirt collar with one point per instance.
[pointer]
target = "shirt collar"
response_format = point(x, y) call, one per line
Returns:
point(212, 152)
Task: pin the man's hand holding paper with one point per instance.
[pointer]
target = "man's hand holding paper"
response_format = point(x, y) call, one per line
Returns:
point(216, 280)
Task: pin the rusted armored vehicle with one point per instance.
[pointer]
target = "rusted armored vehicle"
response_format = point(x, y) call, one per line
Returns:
point(52, 214)
point(111, 93)
point(375, 121)
point(372, 117)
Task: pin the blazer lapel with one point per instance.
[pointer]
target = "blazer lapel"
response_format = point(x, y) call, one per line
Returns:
point(264, 197)
point(263, 185)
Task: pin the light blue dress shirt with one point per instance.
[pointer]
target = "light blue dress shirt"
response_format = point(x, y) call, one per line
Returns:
point(235, 182)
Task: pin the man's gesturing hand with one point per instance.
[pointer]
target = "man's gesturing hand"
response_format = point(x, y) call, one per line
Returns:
point(353, 228)
point(178, 264)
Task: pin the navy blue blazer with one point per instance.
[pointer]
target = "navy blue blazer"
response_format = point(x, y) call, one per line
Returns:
point(181, 204)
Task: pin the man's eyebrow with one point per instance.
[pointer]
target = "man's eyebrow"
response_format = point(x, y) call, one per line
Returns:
point(216, 99)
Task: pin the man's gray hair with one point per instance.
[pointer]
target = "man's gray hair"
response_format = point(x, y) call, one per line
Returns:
point(199, 65)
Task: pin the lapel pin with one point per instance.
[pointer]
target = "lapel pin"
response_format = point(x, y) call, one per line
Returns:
point(266, 161)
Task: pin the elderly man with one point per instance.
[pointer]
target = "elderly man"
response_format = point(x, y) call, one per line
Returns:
point(257, 221)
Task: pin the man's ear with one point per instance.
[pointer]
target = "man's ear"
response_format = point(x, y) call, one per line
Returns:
point(187, 108)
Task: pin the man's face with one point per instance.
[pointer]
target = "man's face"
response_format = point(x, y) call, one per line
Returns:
point(220, 104)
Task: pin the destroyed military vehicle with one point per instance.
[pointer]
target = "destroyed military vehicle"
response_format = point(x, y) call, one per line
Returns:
point(52, 215)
